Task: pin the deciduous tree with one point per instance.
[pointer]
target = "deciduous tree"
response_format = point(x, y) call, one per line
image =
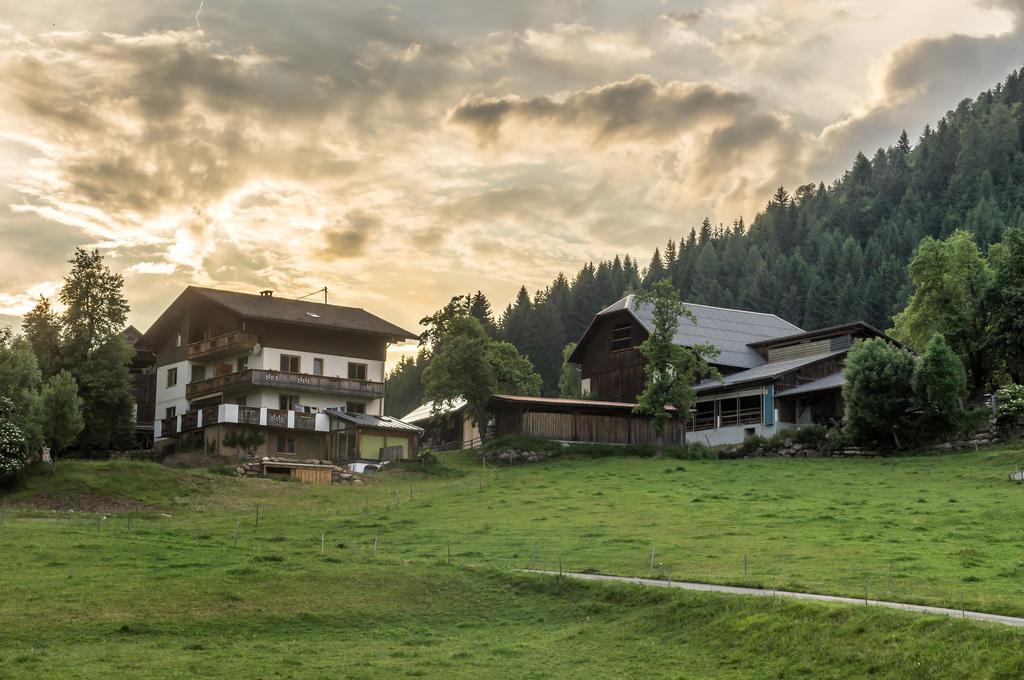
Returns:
point(878, 392)
point(59, 412)
point(672, 370)
point(471, 365)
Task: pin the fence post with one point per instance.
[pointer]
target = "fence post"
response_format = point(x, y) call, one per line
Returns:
point(650, 568)
point(745, 571)
point(321, 544)
point(889, 585)
point(374, 545)
point(234, 539)
point(449, 554)
point(865, 591)
point(257, 515)
point(97, 525)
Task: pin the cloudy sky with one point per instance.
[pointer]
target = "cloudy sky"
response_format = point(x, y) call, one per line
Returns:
point(400, 153)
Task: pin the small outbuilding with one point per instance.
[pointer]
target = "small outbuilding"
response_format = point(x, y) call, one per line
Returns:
point(450, 427)
point(362, 436)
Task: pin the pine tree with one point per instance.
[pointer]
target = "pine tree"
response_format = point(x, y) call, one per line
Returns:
point(41, 327)
point(95, 307)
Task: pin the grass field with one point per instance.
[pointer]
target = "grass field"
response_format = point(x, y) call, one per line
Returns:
point(156, 583)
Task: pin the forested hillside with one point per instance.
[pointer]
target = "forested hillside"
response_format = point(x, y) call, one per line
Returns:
point(817, 255)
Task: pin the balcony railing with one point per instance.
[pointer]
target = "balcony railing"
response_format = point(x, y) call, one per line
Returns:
point(234, 342)
point(250, 415)
point(189, 421)
point(242, 415)
point(169, 426)
point(277, 418)
point(241, 380)
point(747, 416)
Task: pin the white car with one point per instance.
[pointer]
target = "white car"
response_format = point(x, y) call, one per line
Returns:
point(366, 468)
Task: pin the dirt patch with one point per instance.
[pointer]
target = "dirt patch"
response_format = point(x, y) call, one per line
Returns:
point(82, 502)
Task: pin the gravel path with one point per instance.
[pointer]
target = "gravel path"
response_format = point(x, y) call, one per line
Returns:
point(735, 590)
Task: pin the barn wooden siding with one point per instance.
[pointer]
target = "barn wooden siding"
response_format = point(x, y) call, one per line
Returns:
point(598, 428)
point(614, 375)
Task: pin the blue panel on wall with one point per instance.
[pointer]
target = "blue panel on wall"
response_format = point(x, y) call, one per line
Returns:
point(769, 406)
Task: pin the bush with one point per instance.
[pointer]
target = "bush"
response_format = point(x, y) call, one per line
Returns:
point(1010, 401)
point(14, 446)
point(835, 439)
point(878, 393)
point(940, 385)
point(811, 435)
point(753, 443)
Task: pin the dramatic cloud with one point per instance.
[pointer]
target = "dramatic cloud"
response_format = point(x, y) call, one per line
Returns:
point(638, 107)
point(465, 145)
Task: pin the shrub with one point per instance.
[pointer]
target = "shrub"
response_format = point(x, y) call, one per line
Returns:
point(752, 443)
point(14, 446)
point(940, 385)
point(1010, 401)
point(811, 435)
point(835, 439)
point(878, 392)
point(244, 441)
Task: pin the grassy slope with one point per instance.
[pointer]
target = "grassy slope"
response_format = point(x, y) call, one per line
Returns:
point(174, 596)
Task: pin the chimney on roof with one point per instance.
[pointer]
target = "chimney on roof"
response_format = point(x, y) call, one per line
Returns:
point(266, 293)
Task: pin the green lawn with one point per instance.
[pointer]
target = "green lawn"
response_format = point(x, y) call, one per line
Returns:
point(158, 586)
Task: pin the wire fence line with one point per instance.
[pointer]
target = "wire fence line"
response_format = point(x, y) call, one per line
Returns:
point(873, 581)
point(268, 525)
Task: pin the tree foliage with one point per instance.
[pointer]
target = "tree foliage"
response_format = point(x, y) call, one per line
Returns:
point(105, 383)
point(244, 441)
point(878, 392)
point(940, 385)
point(60, 412)
point(20, 381)
point(14, 442)
point(404, 385)
point(95, 307)
point(570, 382)
point(41, 327)
point(1004, 305)
point(471, 365)
point(950, 277)
point(671, 370)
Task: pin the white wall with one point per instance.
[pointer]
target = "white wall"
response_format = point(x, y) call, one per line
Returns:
point(335, 366)
point(270, 398)
point(735, 434)
point(172, 396)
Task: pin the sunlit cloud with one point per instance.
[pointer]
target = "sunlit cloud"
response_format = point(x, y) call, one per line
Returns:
point(402, 155)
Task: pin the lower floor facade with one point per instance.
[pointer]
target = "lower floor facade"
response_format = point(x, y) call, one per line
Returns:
point(716, 420)
point(333, 434)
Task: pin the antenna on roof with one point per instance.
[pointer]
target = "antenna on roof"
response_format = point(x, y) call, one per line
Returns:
point(316, 292)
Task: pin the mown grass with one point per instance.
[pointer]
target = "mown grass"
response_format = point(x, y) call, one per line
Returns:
point(166, 589)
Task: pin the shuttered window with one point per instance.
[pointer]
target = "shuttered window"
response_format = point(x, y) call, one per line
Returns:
point(622, 337)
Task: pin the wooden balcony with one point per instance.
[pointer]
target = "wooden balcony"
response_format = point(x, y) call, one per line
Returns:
point(242, 415)
point(168, 426)
point(235, 342)
point(304, 382)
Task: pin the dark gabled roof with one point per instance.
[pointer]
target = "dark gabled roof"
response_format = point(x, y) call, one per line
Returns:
point(732, 331)
point(373, 422)
point(283, 310)
point(822, 333)
point(829, 382)
point(766, 372)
